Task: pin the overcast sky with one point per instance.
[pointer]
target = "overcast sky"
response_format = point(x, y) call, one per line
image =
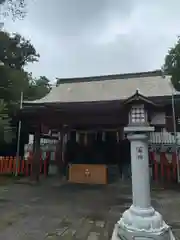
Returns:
point(94, 37)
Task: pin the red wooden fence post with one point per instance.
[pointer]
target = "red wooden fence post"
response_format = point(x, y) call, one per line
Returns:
point(11, 165)
point(22, 166)
point(4, 164)
point(155, 165)
point(45, 165)
point(168, 169)
point(166, 166)
point(162, 165)
point(0, 165)
point(174, 164)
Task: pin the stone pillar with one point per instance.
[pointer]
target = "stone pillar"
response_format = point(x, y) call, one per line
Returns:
point(140, 179)
point(36, 155)
point(141, 221)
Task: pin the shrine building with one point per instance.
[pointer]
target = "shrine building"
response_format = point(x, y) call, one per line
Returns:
point(86, 117)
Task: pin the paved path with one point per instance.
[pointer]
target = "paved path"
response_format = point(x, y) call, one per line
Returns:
point(78, 212)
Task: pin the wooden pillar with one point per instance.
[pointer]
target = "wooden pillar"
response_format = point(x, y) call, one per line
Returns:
point(36, 155)
point(60, 151)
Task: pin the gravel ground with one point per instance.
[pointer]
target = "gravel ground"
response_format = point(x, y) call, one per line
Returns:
point(54, 210)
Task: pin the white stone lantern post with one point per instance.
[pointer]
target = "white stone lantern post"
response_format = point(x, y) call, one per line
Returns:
point(140, 221)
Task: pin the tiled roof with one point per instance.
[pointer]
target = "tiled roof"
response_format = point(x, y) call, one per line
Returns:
point(109, 89)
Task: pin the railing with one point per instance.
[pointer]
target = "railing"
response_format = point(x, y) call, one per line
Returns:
point(43, 140)
point(154, 138)
point(164, 138)
point(163, 167)
point(24, 166)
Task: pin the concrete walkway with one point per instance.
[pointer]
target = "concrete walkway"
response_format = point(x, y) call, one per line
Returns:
point(65, 211)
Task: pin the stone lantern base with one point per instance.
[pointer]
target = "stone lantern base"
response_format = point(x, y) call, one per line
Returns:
point(142, 224)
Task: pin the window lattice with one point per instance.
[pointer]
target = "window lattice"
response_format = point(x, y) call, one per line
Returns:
point(138, 115)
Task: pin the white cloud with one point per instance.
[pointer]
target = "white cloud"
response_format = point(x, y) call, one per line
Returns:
point(83, 37)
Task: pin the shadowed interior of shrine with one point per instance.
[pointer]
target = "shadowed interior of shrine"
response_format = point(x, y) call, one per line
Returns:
point(86, 151)
point(93, 148)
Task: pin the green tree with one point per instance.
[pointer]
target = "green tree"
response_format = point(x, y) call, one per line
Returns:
point(6, 130)
point(12, 83)
point(15, 8)
point(43, 86)
point(38, 87)
point(15, 51)
point(172, 64)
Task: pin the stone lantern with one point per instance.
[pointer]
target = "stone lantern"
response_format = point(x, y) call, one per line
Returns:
point(140, 221)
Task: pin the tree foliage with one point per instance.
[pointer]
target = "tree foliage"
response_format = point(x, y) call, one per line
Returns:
point(6, 130)
point(15, 8)
point(15, 53)
point(172, 64)
point(38, 87)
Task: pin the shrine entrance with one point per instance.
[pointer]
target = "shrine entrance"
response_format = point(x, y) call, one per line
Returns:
point(93, 147)
point(103, 155)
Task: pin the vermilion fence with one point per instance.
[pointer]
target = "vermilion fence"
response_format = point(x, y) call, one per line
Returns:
point(9, 165)
point(163, 168)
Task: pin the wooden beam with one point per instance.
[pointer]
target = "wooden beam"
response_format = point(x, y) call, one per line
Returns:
point(85, 120)
point(36, 155)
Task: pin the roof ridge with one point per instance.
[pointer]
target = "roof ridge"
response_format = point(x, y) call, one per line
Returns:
point(110, 77)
